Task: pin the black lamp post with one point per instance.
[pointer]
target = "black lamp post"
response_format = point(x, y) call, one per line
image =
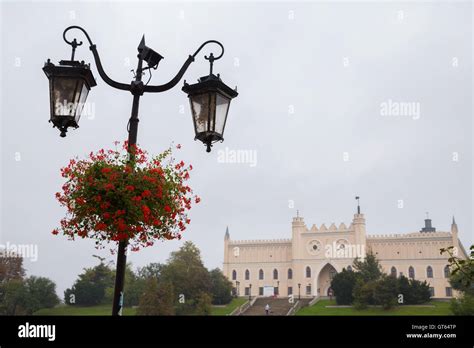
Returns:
point(71, 80)
point(250, 292)
point(299, 291)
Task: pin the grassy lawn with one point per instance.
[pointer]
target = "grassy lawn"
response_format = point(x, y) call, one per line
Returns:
point(107, 309)
point(78, 310)
point(227, 309)
point(440, 308)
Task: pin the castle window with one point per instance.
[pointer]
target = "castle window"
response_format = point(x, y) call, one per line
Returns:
point(260, 291)
point(411, 272)
point(349, 268)
point(308, 289)
point(275, 274)
point(247, 291)
point(393, 272)
point(308, 272)
point(432, 293)
point(429, 272)
point(449, 292)
point(276, 290)
point(234, 275)
point(290, 290)
point(247, 274)
point(447, 271)
point(290, 273)
point(260, 274)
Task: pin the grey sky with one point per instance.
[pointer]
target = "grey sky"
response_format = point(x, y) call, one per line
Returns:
point(311, 78)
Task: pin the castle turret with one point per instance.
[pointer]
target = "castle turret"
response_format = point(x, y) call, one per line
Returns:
point(359, 226)
point(226, 250)
point(428, 227)
point(454, 234)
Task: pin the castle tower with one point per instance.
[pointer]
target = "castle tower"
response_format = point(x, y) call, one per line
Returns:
point(428, 227)
point(297, 227)
point(359, 226)
point(226, 250)
point(454, 234)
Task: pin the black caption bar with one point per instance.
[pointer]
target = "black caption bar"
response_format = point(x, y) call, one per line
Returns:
point(332, 330)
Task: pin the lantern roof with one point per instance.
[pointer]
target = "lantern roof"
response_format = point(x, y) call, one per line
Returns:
point(70, 68)
point(207, 83)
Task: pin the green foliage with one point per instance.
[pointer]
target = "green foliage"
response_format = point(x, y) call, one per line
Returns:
point(24, 297)
point(462, 271)
point(386, 291)
point(413, 291)
point(368, 268)
point(203, 304)
point(221, 288)
point(186, 272)
point(343, 285)
point(363, 294)
point(463, 305)
point(41, 292)
point(89, 288)
point(157, 299)
point(14, 298)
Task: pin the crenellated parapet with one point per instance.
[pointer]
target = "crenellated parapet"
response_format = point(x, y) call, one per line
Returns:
point(259, 241)
point(414, 235)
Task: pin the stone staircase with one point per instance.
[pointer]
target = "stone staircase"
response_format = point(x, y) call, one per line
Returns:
point(278, 306)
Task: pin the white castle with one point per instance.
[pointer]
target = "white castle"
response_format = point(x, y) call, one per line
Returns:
point(305, 264)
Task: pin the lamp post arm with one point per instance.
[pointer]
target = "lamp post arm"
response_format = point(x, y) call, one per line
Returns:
point(187, 63)
point(98, 63)
point(173, 82)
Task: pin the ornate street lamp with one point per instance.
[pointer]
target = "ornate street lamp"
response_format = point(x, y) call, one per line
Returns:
point(69, 85)
point(210, 100)
point(70, 82)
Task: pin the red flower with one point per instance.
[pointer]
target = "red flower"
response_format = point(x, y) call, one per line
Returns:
point(178, 146)
point(106, 170)
point(136, 199)
point(130, 188)
point(146, 193)
point(198, 200)
point(55, 231)
point(167, 208)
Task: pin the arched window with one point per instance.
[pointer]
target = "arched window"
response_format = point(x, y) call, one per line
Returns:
point(447, 271)
point(275, 274)
point(349, 268)
point(234, 275)
point(308, 272)
point(411, 272)
point(247, 274)
point(393, 272)
point(260, 274)
point(290, 273)
point(429, 272)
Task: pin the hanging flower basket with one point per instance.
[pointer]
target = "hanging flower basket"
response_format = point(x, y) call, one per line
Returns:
point(114, 196)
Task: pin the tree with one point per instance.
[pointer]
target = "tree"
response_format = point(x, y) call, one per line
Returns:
point(89, 288)
point(343, 285)
point(157, 299)
point(41, 292)
point(11, 267)
point(14, 299)
point(368, 268)
point(203, 304)
point(462, 279)
point(386, 291)
point(221, 288)
point(186, 272)
point(363, 293)
point(462, 271)
point(413, 291)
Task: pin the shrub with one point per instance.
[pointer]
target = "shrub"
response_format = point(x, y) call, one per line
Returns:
point(386, 291)
point(343, 285)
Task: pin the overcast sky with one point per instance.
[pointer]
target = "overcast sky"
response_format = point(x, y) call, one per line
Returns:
point(313, 78)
